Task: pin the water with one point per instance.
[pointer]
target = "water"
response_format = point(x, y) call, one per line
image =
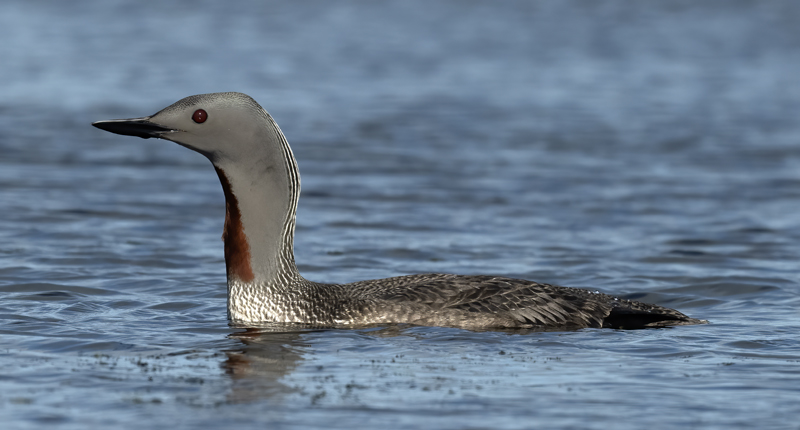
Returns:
point(646, 150)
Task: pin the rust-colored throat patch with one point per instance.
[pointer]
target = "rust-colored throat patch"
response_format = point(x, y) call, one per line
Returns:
point(237, 249)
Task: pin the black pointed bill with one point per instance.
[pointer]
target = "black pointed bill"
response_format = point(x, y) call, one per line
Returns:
point(140, 127)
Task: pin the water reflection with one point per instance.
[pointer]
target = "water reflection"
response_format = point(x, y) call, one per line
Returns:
point(272, 352)
point(268, 354)
point(271, 355)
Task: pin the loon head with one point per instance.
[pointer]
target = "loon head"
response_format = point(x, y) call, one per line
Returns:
point(221, 126)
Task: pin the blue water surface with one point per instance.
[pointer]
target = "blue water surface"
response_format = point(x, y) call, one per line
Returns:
point(649, 150)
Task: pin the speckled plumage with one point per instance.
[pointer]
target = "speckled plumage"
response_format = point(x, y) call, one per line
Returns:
point(261, 183)
point(465, 301)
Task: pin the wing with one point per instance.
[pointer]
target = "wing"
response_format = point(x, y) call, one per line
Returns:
point(518, 302)
point(512, 302)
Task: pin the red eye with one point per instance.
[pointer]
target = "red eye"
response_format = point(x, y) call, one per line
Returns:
point(200, 116)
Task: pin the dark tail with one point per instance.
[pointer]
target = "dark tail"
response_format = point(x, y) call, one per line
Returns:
point(636, 315)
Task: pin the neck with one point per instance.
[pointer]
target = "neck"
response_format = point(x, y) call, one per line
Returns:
point(261, 193)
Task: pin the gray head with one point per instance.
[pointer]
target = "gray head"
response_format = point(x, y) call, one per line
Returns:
point(217, 125)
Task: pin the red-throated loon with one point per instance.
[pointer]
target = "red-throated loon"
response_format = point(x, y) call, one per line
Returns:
point(261, 183)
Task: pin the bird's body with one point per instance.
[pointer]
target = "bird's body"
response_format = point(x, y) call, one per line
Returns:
point(472, 302)
point(261, 182)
